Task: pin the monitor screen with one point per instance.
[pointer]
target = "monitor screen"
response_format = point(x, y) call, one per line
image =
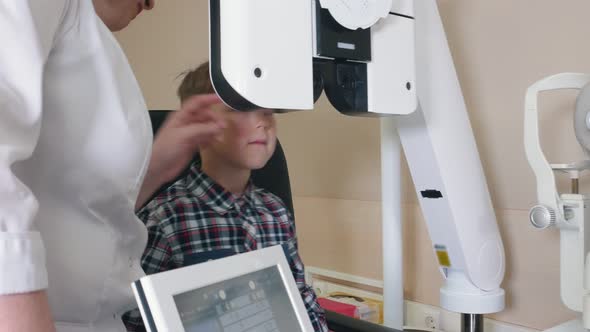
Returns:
point(254, 302)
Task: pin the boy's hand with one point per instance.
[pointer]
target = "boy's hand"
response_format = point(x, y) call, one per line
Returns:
point(185, 131)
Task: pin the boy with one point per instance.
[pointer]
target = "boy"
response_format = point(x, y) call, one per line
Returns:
point(214, 210)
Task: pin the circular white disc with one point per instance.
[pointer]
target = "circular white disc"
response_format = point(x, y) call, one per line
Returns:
point(357, 14)
point(581, 119)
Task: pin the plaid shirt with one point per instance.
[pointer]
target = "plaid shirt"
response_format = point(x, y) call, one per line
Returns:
point(196, 220)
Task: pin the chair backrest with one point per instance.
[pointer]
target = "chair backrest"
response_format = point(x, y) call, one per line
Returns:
point(274, 176)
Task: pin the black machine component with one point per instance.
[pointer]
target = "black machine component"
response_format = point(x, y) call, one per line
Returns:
point(340, 68)
point(337, 42)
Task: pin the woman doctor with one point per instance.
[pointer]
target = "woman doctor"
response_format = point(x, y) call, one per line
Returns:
point(75, 146)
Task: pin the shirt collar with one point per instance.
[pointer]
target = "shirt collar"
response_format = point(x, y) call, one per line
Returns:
point(214, 195)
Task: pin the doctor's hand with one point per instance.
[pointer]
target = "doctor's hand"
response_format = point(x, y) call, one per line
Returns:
point(181, 136)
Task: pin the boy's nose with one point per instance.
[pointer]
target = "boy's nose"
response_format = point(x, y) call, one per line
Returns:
point(263, 120)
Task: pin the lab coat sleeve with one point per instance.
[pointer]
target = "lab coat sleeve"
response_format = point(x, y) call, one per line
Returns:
point(27, 31)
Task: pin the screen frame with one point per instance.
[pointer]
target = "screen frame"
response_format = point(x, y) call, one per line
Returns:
point(155, 293)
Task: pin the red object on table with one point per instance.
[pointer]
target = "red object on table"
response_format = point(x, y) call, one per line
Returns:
point(338, 307)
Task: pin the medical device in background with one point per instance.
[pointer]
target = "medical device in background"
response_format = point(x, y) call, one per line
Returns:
point(388, 59)
point(567, 212)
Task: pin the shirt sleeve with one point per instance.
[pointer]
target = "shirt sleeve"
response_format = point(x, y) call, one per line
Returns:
point(157, 256)
point(27, 31)
point(316, 313)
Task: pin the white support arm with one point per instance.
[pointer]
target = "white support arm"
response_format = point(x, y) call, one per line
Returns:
point(261, 56)
point(442, 155)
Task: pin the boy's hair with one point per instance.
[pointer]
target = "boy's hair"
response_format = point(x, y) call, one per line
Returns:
point(195, 82)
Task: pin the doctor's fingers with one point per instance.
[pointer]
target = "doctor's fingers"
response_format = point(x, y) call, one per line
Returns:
point(198, 108)
point(199, 133)
point(203, 116)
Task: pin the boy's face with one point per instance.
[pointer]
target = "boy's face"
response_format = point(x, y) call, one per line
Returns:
point(249, 139)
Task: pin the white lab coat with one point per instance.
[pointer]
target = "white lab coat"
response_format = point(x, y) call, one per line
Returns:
point(74, 146)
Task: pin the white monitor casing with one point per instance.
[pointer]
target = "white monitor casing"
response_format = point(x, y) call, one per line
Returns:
point(155, 293)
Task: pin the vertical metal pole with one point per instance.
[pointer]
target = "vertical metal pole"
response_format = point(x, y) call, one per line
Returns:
point(393, 268)
point(471, 323)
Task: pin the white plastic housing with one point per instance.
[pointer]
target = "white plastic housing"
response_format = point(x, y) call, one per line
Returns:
point(355, 14)
point(277, 37)
point(155, 293)
point(402, 7)
point(273, 36)
point(571, 213)
point(392, 72)
point(586, 301)
point(442, 155)
point(546, 189)
point(573, 252)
